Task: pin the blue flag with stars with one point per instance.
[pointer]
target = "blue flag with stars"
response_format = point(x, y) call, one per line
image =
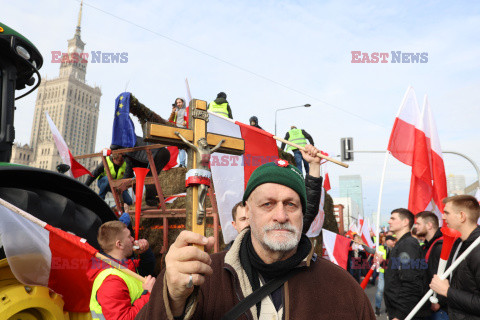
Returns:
point(123, 129)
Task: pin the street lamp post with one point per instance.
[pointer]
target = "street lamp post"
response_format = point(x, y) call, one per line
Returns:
point(302, 106)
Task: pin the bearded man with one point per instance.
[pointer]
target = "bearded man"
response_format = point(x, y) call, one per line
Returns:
point(270, 272)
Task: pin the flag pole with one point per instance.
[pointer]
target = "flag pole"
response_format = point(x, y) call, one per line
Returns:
point(380, 200)
point(443, 277)
point(43, 224)
point(284, 141)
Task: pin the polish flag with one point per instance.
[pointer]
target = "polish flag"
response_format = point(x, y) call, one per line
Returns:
point(365, 234)
point(336, 247)
point(175, 197)
point(421, 181)
point(402, 138)
point(436, 161)
point(230, 173)
point(47, 256)
point(76, 169)
point(173, 158)
point(353, 228)
point(360, 224)
point(317, 223)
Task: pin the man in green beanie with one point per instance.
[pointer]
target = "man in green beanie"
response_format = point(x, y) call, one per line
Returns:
point(272, 259)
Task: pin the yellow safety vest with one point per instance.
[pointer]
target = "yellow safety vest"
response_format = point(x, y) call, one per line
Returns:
point(111, 167)
point(134, 288)
point(219, 108)
point(296, 136)
point(383, 251)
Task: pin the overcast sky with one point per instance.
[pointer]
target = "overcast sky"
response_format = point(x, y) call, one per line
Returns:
point(268, 55)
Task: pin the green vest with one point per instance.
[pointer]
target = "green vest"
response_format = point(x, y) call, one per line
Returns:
point(219, 108)
point(134, 288)
point(111, 167)
point(383, 251)
point(296, 136)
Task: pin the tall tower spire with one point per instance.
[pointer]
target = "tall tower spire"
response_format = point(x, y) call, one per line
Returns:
point(77, 31)
point(76, 46)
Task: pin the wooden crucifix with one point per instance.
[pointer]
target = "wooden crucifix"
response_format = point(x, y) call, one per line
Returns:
point(198, 141)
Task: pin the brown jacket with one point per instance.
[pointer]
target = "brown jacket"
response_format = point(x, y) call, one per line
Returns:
point(322, 291)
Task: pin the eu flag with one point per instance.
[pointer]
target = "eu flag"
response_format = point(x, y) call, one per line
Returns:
point(123, 129)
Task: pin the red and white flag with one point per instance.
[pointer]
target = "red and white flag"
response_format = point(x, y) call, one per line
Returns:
point(317, 223)
point(402, 139)
point(76, 169)
point(421, 181)
point(173, 158)
point(414, 141)
point(336, 247)
point(365, 234)
point(436, 161)
point(47, 256)
point(230, 173)
point(175, 197)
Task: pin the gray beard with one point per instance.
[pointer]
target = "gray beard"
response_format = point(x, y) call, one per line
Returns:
point(271, 244)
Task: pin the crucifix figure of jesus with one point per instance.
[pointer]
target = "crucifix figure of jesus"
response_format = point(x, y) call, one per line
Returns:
point(200, 146)
point(202, 171)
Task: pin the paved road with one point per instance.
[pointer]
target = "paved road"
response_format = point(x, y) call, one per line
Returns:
point(370, 291)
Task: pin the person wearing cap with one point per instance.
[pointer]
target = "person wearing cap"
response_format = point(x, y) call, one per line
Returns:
point(300, 137)
point(220, 106)
point(273, 250)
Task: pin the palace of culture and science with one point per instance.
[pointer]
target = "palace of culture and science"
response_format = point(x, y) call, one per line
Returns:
point(73, 106)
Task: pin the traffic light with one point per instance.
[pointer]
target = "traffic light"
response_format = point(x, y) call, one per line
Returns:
point(346, 147)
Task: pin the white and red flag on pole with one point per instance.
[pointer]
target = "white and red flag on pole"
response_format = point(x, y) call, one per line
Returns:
point(76, 169)
point(436, 161)
point(414, 141)
point(230, 173)
point(47, 256)
point(337, 247)
point(365, 234)
point(421, 181)
point(402, 139)
point(317, 223)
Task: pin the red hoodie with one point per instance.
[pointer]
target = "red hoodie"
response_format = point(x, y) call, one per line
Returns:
point(113, 294)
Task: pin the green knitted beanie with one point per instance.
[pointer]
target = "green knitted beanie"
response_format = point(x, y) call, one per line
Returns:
point(278, 172)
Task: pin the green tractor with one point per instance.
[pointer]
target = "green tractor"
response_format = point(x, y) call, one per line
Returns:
point(52, 197)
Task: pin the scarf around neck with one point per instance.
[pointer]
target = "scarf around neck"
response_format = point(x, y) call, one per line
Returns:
point(254, 265)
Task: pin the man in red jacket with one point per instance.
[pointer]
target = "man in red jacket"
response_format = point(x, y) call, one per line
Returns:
point(116, 295)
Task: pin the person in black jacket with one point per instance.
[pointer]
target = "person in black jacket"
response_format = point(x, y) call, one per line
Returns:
point(428, 228)
point(405, 277)
point(254, 122)
point(462, 288)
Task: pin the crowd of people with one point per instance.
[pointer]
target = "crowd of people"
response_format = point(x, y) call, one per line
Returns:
point(408, 259)
point(270, 270)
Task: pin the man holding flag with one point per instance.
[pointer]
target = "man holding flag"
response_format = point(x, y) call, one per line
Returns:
point(405, 277)
point(462, 291)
